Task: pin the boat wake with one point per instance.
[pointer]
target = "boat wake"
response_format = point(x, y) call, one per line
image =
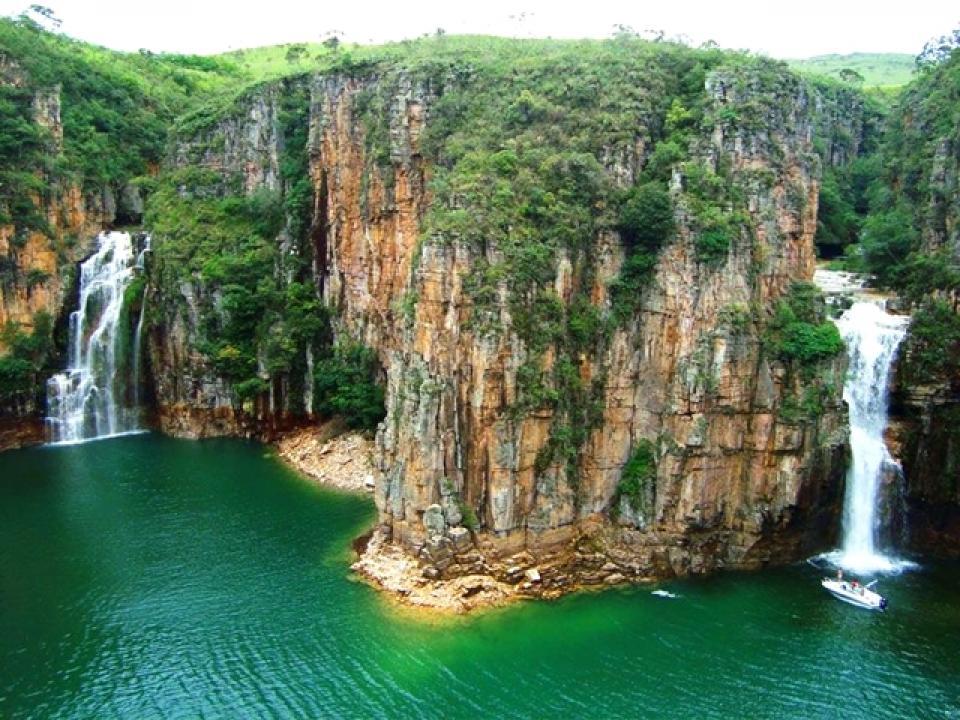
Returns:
point(664, 594)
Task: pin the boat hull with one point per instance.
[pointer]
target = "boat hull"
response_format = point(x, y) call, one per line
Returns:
point(858, 596)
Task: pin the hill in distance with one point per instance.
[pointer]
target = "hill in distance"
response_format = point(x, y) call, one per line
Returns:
point(881, 70)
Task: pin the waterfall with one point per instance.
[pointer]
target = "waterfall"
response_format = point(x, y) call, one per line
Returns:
point(872, 336)
point(90, 399)
point(138, 335)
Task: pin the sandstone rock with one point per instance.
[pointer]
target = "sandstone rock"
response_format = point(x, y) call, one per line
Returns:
point(532, 575)
point(451, 510)
point(438, 547)
point(433, 521)
point(461, 539)
point(431, 572)
point(681, 372)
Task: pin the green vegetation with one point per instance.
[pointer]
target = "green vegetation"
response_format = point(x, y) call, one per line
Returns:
point(909, 236)
point(116, 107)
point(799, 331)
point(638, 480)
point(346, 384)
point(872, 70)
point(843, 204)
point(933, 348)
point(27, 362)
point(260, 311)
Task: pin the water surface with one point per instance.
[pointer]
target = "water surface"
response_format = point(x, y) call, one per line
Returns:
point(145, 577)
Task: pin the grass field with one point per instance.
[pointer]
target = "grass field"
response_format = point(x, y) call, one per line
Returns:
point(879, 70)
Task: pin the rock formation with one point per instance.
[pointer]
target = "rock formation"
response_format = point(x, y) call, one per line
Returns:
point(741, 480)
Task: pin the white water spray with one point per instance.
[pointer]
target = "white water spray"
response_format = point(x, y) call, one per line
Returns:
point(89, 400)
point(138, 335)
point(872, 336)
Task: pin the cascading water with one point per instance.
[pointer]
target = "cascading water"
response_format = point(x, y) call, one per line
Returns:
point(872, 336)
point(90, 400)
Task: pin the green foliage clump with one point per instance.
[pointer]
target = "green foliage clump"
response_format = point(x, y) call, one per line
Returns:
point(470, 520)
point(646, 218)
point(639, 476)
point(717, 203)
point(799, 332)
point(837, 223)
point(646, 224)
point(713, 243)
point(346, 384)
point(27, 360)
point(932, 349)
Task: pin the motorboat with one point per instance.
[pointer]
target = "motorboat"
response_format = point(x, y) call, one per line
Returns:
point(853, 592)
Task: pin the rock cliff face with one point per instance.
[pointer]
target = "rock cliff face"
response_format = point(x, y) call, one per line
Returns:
point(741, 479)
point(927, 409)
point(735, 484)
point(924, 185)
point(191, 400)
point(34, 262)
point(926, 421)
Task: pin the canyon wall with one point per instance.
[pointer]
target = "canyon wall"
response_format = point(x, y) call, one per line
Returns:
point(747, 468)
point(917, 251)
point(926, 391)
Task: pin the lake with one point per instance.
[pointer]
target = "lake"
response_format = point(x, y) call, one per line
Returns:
point(147, 577)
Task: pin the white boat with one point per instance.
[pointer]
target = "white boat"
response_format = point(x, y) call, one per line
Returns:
point(850, 591)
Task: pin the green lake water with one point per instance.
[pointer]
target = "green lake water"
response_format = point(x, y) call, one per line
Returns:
point(145, 577)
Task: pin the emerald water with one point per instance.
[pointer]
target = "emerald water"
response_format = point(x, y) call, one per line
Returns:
point(145, 577)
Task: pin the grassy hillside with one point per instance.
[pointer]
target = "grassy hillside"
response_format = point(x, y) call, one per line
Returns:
point(882, 70)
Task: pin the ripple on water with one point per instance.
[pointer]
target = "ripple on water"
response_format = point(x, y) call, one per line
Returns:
point(204, 580)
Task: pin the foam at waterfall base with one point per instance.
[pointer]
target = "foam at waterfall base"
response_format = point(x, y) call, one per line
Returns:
point(861, 563)
point(84, 441)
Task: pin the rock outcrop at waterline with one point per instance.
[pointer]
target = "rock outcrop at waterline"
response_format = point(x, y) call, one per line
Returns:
point(474, 472)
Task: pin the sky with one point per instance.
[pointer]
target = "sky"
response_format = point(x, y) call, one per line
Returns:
point(800, 28)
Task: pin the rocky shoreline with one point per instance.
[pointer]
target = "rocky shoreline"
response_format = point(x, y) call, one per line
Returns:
point(343, 461)
point(464, 572)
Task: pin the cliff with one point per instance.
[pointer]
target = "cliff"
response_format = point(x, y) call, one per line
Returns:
point(912, 242)
point(535, 338)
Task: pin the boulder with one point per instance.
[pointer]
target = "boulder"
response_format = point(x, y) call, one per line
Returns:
point(433, 521)
point(460, 537)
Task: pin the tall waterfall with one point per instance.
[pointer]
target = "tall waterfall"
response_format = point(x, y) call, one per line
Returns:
point(92, 399)
point(872, 336)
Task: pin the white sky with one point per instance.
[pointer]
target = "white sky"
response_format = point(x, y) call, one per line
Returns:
point(797, 28)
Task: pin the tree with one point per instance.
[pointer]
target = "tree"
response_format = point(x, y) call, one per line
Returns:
point(646, 218)
point(346, 385)
point(938, 50)
point(45, 13)
point(851, 76)
point(332, 41)
point(296, 53)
